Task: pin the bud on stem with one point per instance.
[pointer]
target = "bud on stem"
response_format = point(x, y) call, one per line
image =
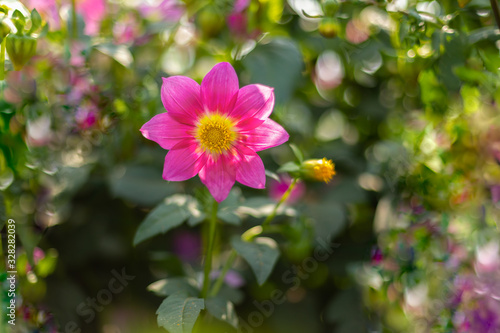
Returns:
point(20, 49)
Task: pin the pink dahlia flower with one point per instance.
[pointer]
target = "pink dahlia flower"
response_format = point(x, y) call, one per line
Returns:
point(215, 130)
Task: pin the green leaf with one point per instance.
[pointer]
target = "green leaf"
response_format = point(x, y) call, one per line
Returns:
point(272, 175)
point(263, 206)
point(178, 313)
point(261, 255)
point(228, 293)
point(36, 21)
point(19, 21)
point(297, 152)
point(227, 208)
point(140, 184)
point(120, 53)
point(290, 167)
point(277, 64)
point(478, 35)
point(167, 287)
point(223, 310)
point(167, 215)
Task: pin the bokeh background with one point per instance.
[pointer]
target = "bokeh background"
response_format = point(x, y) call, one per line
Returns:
point(401, 95)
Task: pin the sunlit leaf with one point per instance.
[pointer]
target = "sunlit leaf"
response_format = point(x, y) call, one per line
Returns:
point(261, 254)
point(178, 313)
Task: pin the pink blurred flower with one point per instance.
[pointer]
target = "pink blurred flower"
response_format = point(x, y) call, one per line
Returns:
point(187, 245)
point(232, 278)
point(77, 58)
point(237, 23)
point(377, 256)
point(80, 86)
point(277, 189)
point(488, 258)
point(478, 304)
point(168, 10)
point(329, 70)
point(126, 30)
point(240, 5)
point(495, 193)
point(215, 130)
point(93, 12)
point(356, 31)
point(237, 20)
point(86, 116)
point(38, 255)
point(38, 131)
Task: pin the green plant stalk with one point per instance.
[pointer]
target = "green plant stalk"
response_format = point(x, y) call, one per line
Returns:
point(249, 235)
point(74, 26)
point(284, 197)
point(220, 279)
point(2, 60)
point(496, 11)
point(210, 250)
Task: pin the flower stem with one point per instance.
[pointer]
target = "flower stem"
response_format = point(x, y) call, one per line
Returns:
point(74, 24)
point(210, 250)
point(496, 11)
point(249, 235)
point(284, 197)
point(220, 279)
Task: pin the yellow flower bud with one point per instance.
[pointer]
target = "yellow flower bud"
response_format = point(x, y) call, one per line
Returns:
point(321, 170)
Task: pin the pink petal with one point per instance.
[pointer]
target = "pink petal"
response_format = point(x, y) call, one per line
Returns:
point(183, 161)
point(219, 88)
point(181, 98)
point(219, 176)
point(166, 131)
point(254, 100)
point(248, 124)
point(250, 170)
point(269, 134)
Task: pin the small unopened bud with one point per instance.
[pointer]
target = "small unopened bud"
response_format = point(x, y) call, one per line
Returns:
point(321, 170)
point(20, 49)
point(329, 27)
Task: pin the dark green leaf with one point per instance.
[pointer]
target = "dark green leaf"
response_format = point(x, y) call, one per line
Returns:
point(263, 206)
point(227, 208)
point(170, 286)
point(140, 184)
point(261, 254)
point(36, 21)
point(272, 175)
point(223, 310)
point(277, 64)
point(291, 167)
point(297, 152)
point(19, 21)
point(120, 53)
point(167, 215)
point(178, 313)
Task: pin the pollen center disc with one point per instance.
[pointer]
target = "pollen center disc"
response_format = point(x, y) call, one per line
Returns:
point(215, 133)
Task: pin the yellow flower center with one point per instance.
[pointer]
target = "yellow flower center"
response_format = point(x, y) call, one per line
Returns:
point(215, 133)
point(324, 170)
